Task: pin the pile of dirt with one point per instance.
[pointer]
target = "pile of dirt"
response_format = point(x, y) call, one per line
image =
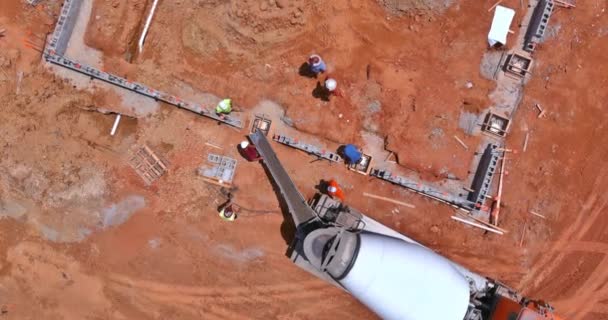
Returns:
point(251, 26)
point(416, 6)
point(114, 25)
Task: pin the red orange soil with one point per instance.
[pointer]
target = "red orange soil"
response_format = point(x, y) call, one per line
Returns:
point(61, 172)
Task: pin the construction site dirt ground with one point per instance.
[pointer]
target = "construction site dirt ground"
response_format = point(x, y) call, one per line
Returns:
point(82, 237)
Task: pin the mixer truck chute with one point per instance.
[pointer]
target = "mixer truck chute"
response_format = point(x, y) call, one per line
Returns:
point(390, 273)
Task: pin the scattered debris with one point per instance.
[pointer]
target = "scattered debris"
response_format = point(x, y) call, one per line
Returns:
point(115, 126)
point(222, 171)
point(461, 143)
point(373, 196)
point(147, 164)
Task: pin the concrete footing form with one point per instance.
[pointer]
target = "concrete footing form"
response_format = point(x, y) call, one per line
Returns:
point(55, 53)
point(506, 99)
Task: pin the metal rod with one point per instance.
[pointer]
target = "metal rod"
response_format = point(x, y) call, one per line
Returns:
point(144, 32)
point(115, 126)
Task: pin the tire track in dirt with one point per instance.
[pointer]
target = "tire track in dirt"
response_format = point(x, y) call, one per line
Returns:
point(550, 259)
point(591, 290)
point(210, 300)
point(586, 246)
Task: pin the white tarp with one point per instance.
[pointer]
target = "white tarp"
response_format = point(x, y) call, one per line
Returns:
point(500, 25)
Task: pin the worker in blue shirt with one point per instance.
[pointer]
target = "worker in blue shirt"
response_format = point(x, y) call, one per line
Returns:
point(352, 155)
point(316, 64)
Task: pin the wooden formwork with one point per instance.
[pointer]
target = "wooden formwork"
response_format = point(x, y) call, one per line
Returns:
point(147, 164)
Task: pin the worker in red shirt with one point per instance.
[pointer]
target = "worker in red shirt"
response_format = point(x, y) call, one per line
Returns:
point(331, 85)
point(334, 190)
point(249, 151)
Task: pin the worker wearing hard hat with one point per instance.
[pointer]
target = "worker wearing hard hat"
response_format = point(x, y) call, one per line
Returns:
point(229, 212)
point(331, 85)
point(249, 151)
point(223, 108)
point(334, 190)
point(316, 64)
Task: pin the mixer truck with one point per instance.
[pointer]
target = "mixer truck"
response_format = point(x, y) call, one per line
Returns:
point(391, 274)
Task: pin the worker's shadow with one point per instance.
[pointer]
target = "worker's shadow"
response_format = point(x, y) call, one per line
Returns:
point(320, 92)
point(305, 71)
point(340, 151)
point(322, 186)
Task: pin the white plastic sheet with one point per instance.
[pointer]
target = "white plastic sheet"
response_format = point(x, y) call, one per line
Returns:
point(500, 25)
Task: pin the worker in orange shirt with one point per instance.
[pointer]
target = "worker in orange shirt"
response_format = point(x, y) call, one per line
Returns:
point(334, 190)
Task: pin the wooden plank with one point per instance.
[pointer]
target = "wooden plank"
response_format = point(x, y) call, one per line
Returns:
point(538, 214)
point(523, 233)
point(565, 4)
point(217, 183)
point(373, 196)
point(489, 225)
point(494, 6)
point(496, 210)
point(477, 225)
point(213, 145)
point(526, 141)
point(461, 143)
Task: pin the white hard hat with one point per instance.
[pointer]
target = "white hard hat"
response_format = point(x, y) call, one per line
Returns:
point(332, 189)
point(331, 84)
point(244, 144)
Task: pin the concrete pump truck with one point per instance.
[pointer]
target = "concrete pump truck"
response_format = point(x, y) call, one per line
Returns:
point(393, 275)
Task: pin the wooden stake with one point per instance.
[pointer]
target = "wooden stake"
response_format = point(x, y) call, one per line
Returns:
point(496, 210)
point(540, 110)
point(477, 225)
point(523, 233)
point(489, 225)
point(494, 6)
point(213, 146)
point(526, 141)
point(538, 214)
point(373, 196)
point(461, 143)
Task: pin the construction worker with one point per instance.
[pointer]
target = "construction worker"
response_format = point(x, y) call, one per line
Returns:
point(249, 151)
point(223, 108)
point(229, 211)
point(334, 190)
point(316, 64)
point(331, 85)
point(352, 155)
